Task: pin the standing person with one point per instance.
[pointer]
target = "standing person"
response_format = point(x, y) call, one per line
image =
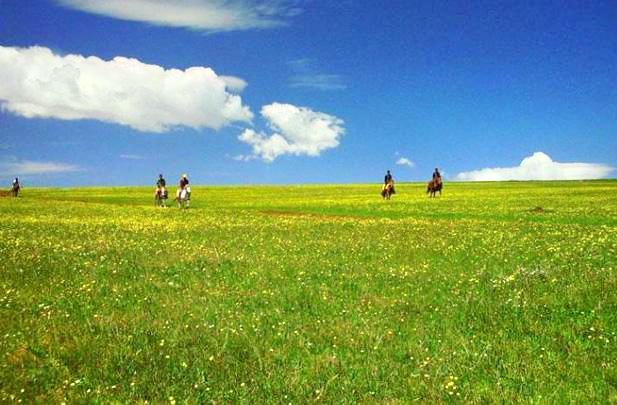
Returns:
point(15, 187)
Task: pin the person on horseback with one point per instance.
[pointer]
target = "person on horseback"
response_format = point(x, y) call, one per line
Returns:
point(388, 186)
point(160, 193)
point(15, 187)
point(183, 186)
point(184, 182)
point(435, 184)
point(160, 182)
point(387, 178)
point(437, 177)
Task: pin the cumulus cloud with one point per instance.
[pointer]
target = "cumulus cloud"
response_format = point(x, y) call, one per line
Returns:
point(16, 167)
point(539, 166)
point(35, 82)
point(403, 161)
point(206, 15)
point(297, 131)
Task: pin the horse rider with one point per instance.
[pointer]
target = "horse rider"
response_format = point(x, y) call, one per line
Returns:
point(388, 179)
point(183, 184)
point(161, 185)
point(160, 182)
point(15, 187)
point(184, 181)
point(436, 177)
point(161, 192)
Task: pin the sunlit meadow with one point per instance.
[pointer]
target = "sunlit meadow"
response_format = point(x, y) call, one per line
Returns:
point(491, 293)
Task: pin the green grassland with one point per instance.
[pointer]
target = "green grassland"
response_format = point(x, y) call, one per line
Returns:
point(495, 292)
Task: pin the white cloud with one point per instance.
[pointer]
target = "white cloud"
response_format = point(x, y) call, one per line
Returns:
point(403, 161)
point(206, 15)
point(234, 84)
point(306, 75)
point(28, 167)
point(34, 82)
point(297, 131)
point(539, 166)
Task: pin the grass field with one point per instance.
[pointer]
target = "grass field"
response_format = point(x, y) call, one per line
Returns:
point(503, 292)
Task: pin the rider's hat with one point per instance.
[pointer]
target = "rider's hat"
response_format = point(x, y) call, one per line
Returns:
point(184, 175)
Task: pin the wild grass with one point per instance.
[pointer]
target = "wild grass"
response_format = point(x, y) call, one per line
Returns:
point(492, 293)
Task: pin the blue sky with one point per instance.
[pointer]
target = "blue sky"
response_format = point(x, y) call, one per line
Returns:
point(334, 92)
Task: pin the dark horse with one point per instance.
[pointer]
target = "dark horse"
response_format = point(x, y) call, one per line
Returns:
point(433, 187)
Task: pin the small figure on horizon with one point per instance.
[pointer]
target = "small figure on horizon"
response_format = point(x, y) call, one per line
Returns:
point(184, 181)
point(387, 177)
point(15, 187)
point(160, 182)
point(183, 194)
point(435, 185)
point(437, 176)
point(388, 186)
point(160, 193)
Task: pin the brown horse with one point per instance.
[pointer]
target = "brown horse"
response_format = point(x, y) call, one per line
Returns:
point(387, 190)
point(433, 187)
